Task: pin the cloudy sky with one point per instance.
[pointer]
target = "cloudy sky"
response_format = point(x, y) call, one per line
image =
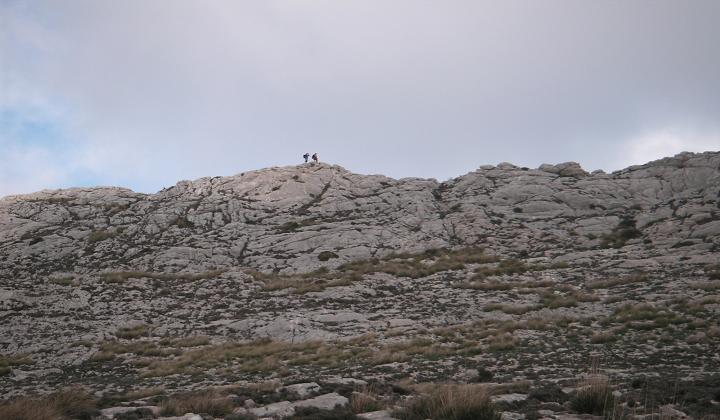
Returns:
point(143, 93)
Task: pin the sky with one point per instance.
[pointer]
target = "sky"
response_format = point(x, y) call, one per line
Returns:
point(144, 93)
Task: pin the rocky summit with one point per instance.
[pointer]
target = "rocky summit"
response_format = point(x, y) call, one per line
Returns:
point(312, 292)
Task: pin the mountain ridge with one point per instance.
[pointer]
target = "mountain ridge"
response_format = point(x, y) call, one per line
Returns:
point(314, 273)
point(544, 166)
point(225, 221)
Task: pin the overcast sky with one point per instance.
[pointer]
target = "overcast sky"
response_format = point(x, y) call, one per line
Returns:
point(144, 93)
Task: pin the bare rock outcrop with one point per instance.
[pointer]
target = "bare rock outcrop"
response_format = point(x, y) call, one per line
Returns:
point(301, 218)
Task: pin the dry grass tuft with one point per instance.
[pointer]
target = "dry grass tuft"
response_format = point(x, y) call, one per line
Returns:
point(71, 403)
point(29, 409)
point(645, 316)
point(608, 283)
point(451, 402)
point(207, 402)
point(315, 281)
point(706, 285)
point(191, 341)
point(365, 400)
point(74, 403)
point(554, 300)
point(503, 342)
point(130, 333)
point(258, 356)
point(386, 356)
point(594, 396)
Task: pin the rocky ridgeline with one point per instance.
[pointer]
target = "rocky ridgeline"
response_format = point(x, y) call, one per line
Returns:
point(285, 218)
point(522, 279)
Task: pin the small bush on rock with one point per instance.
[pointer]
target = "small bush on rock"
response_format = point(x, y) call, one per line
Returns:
point(623, 232)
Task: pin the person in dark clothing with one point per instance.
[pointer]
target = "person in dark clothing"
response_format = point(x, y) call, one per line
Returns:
point(314, 157)
point(306, 156)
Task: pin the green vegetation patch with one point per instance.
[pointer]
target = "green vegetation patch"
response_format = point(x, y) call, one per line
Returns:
point(401, 265)
point(259, 356)
point(421, 264)
point(623, 232)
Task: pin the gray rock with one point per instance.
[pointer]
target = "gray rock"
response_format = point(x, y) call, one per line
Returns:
point(509, 398)
point(278, 409)
point(304, 389)
point(323, 402)
point(377, 415)
point(114, 411)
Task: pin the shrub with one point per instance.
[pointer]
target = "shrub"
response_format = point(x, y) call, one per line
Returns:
point(458, 402)
point(594, 397)
point(623, 232)
point(183, 223)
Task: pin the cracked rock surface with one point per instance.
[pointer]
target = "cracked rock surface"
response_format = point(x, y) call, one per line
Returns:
point(304, 273)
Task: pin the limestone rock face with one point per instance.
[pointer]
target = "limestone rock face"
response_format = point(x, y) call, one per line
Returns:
point(312, 283)
point(300, 218)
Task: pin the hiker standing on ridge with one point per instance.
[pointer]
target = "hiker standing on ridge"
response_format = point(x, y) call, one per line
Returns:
point(314, 157)
point(306, 156)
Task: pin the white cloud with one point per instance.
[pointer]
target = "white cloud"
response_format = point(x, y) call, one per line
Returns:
point(30, 169)
point(153, 92)
point(667, 142)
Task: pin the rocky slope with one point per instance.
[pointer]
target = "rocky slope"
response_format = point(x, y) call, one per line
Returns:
point(509, 273)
